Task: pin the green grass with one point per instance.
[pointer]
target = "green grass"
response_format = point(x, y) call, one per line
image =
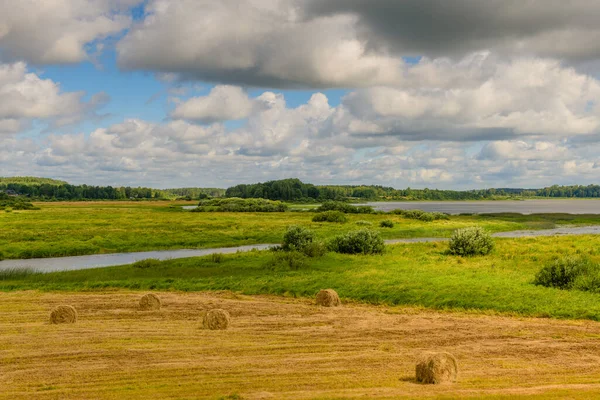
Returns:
point(67, 229)
point(416, 274)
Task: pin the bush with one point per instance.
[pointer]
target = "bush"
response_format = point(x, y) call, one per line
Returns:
point(235, 204)
point(363, 241)
point(344, 207)
point(565, 272)
point(217, 258)
point(288, 259)
point(364, 223)
point(388, 223)
point(297, 238)
point(420, 215)
point(470, 242)
point(330, 216)
point(315, 249)
point(147, 263)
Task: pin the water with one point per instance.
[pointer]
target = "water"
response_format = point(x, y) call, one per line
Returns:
point(574, 206)
point(502, 206)
point(109, 260)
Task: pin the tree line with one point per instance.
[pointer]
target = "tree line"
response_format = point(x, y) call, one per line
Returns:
point(283, 190)
point(296, 190)
point(50, 189)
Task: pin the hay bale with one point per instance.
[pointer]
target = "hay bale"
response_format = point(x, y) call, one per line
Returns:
point(150, 301)
point(435, 368)
point(63, 315)
point(328, 298)
point(216, 319)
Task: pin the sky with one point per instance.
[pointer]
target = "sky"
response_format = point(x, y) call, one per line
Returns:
point(458, 94)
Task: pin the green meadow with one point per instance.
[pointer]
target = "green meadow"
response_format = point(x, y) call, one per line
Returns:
point(407, 274)
point(68, 229)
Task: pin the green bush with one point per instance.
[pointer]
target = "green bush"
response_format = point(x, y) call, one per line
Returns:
point(330, 216)
point(147, 263)
point(567, 273)
point(364, 223)
point(420, 215)
point(235, 204)
point(439, 215)
point(293, 260)
point(315, 249)
point(363, 241)
point(344, 207)
point(217, 258)
point(388, 223)
point(297, 238)
point(471, 242)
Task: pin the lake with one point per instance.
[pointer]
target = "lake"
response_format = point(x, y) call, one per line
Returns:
point(575, 206)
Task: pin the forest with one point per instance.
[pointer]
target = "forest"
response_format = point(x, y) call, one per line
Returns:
point(283, 190)
point(51, 189)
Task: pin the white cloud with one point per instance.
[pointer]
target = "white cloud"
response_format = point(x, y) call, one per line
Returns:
point(258, 43)
point(223, 103)
point(494, 100)
point(57, 31)
point(24, 97)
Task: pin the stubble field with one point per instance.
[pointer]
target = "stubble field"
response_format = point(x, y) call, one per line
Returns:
point(281, 349)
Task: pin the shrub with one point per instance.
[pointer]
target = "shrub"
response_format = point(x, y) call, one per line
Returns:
point(564, 272)
point(315, 249)
point(147, 263)
point(440, 215)
point(420, 215)
point(364, 223)
point(293, 260)
point(217, 258)
point(363, 241)
point(297, 238)
point(330, 216)
point(235, 204)
point(344, 207)
point(388, 223)
point(470, 242)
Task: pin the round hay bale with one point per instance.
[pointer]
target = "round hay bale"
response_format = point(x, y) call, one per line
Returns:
point(63, 315)
point(436, 368)
point(216, 319)
point(328, 298)
point(150, 301)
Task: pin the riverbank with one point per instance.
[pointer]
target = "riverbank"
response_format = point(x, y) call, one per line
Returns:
point(75, 229)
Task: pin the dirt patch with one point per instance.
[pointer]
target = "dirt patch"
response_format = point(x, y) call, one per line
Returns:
point(280, 348)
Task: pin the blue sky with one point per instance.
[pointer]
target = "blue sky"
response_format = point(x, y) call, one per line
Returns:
point(171, 93)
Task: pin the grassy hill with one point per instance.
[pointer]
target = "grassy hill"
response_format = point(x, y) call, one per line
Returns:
point(31, 180)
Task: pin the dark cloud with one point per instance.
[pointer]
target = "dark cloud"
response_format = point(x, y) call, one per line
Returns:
point(453, 28)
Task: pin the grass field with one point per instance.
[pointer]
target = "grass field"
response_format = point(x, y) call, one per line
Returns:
point(410, 274)
point(78, 228)
point(281, 349)
point(411, 299)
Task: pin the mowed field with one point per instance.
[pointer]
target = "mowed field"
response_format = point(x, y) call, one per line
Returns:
point(412, 299)
point(280, 348)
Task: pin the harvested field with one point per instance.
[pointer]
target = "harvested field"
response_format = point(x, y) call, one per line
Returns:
point(278, 348)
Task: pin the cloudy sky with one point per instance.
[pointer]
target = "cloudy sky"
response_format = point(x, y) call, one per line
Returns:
point(420, 93)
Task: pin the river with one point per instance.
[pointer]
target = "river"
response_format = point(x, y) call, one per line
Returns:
point(575, 206)
point(109, 260)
